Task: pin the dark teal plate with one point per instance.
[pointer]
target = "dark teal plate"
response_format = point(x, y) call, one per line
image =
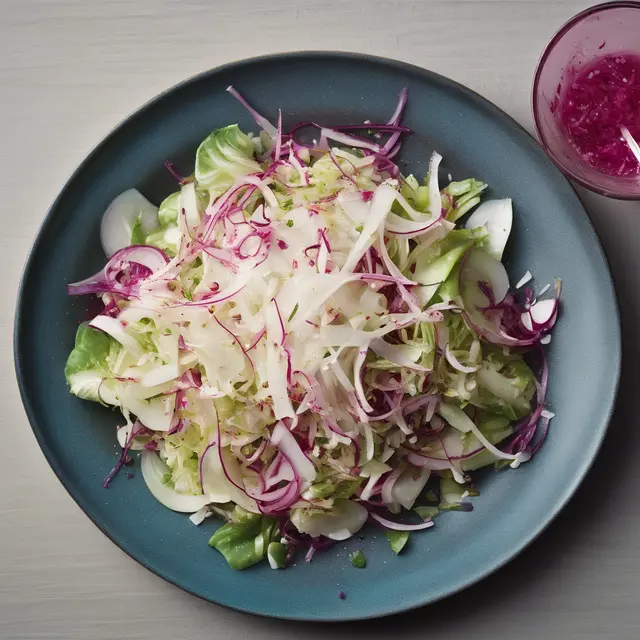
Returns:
point(552, 237)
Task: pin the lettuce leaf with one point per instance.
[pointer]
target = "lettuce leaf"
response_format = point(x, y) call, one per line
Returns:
point(226, 154)
point(87, 364)
point(244, 544)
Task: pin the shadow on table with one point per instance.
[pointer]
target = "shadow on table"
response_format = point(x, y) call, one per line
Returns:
point(620, 451)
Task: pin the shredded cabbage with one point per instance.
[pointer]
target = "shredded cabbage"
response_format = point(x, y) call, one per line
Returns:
point(322, 343)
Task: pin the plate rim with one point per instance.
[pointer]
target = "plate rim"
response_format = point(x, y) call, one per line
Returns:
point(468, 580)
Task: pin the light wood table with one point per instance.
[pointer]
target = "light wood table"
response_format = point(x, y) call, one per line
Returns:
point(69, 71)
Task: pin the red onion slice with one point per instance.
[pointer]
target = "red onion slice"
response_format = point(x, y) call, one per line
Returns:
point(286, 442)
point(397, 526)
point(260, 119)
point(455, 363)
point(109, 280)
point(387, 486)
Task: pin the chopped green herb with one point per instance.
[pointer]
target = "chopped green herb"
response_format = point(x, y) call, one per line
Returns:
point(427, 512)
point(277, 555)
point(138, 235)
point(358, 559)
point(243, 544)
point(293, 313)
point(397, 540)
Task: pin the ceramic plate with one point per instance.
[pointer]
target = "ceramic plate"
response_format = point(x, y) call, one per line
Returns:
point(552, 237)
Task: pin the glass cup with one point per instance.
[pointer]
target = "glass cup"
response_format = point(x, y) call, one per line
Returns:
point(605, 29)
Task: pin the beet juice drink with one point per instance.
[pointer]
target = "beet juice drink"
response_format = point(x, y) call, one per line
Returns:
point(586, 99)
point(604, 96)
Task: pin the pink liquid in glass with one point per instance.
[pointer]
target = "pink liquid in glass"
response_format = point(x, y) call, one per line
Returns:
point(604, 95)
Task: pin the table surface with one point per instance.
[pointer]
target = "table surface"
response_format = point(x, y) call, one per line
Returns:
point(72, 69)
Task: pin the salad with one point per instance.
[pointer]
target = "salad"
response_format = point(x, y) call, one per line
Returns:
point(301, 339)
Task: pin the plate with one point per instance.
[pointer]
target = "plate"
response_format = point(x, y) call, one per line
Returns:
point(552, 237)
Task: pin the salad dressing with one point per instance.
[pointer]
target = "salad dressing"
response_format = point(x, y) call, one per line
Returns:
point(602, 97)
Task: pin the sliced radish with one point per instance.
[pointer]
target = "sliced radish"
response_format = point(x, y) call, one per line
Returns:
point(525, 278)
point(478, 269)
point(342, 522)
point(120, 217)
point(496, 216)
point(542, 311)
point(153, 472)
point(221, 478)
point(151, 257)
point(407, 488)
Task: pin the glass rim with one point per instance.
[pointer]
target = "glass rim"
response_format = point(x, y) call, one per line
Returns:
point(557, 36)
